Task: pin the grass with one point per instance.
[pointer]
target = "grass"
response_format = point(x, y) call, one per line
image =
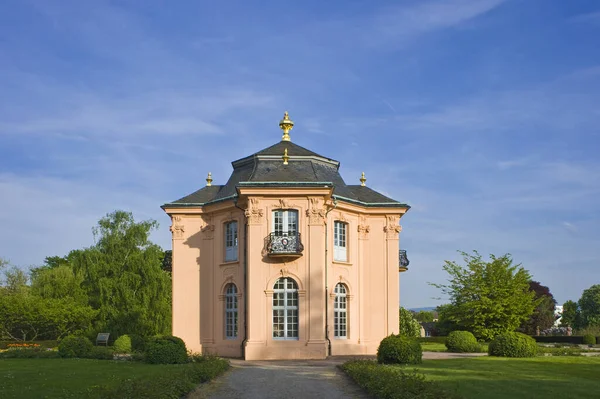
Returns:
point(540, 377)
point(440, 347)
point(77, 378)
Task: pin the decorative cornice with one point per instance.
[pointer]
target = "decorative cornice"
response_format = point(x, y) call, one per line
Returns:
point(392, 228)
point(177, 228)
point(253, 212)
point(208, 228)
point(316, 212)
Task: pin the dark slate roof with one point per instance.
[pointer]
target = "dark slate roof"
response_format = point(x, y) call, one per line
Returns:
point(305, 168)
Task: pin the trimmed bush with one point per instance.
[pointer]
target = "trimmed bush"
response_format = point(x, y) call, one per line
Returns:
point(166, 349)
point(462, 341)
point(397, 349)
point(100, 353)
point(138, 343)
point(393, 382)
point(123, 344)
point(513, 344)
point(589, 339)
point(72, 346)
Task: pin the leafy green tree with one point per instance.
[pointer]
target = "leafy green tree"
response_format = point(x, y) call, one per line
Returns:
point(29, 317)
point(123, 279)
point(570, 314)
point(409, 327)
point(589, 307)
point(488, 297)
point(445, 325)
point(59, 282)
point(542, 317)
point(167, 262)
point(424, 316)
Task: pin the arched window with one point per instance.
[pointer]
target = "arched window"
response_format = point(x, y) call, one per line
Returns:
point(340, 312)
point(340, 251)
point(231, 311)
point(285, 309)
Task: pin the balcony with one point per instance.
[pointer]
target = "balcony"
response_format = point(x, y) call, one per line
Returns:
point(403, 260)
point(284, 244)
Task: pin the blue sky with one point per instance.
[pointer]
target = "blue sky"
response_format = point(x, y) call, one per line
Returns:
point(481, 114)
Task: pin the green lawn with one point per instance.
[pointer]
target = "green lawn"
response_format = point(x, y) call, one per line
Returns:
point(433, 347)
point(69, 378)
point(540, 377)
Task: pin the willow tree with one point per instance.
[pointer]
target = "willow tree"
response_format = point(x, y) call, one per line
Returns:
point(123, 277)
point(487, 297)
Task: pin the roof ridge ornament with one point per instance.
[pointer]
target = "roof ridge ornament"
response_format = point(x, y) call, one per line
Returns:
point(209, 180)
point(285, 157)
point(363, 179)
point(286, 124)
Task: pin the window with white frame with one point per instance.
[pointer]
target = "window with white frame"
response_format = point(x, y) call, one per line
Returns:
point(231, 311)
point(285, 222)
point(231, 241)
point(340, 312)
point(340, 247)
point(285, 309)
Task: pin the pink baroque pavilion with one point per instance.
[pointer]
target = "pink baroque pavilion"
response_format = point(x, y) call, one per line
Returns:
point(286, 260)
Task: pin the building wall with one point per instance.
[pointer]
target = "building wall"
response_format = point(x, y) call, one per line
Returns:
point(200, 275)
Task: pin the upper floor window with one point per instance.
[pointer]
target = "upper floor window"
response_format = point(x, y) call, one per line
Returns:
point(340, 251)
point(285, 222)
point(231, 241)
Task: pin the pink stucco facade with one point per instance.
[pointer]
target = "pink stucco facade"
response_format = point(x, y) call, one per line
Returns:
point(206, 264)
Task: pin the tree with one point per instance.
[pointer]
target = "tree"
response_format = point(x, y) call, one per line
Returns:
point(543, 314)
point(58, 282)
point(409, 327)
point(424, 316)
point(589, 307)
point(123, 279)
point(29, 317)
point(570, 314)
point(167, 262)
point(444, 325)
point(488, 298)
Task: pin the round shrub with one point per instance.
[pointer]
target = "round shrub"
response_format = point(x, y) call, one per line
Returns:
point(589, 339)
point(138, 343)
point(123, 344)
point(513, 344)
point(397, 349)
point(462, 341)
point(166, 349)
point(72, 346)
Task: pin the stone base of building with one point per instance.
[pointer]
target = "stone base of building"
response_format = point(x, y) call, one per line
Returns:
point(285, 350)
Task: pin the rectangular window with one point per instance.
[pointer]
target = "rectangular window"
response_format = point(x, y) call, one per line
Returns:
point(231, 242)
point(340, 252)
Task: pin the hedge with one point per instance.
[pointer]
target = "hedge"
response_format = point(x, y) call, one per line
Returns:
point(559, 339)
point(175, 382)
point(42, 344)
point(438, 340)
point(392, 382)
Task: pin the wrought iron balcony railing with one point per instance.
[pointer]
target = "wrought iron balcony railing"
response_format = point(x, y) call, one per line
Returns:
point(403, 259)
point(284, 244)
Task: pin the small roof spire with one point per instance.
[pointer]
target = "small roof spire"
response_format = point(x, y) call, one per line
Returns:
point(286, 124)
point(285, 157)
point(209, 180)
point(363, 179)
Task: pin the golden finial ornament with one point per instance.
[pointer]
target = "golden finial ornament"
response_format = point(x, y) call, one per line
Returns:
point(286, 124)
point(209, 180)
point(285, 157)
point(363, 179)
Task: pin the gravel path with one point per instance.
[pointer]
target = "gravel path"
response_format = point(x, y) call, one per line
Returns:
point(291, 379)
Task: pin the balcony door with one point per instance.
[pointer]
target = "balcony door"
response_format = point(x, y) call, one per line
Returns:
point(285, 222)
